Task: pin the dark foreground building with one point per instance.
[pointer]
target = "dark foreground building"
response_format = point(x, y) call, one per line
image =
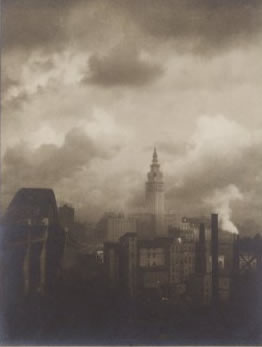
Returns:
point(31, 245)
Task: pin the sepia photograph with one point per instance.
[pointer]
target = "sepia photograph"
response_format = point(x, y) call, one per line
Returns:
point(131, 173)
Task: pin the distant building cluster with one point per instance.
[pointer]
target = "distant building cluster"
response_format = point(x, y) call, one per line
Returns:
point(153, 221)
point(170, 267)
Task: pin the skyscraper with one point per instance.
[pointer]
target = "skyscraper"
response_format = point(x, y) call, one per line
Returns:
point(155, 197)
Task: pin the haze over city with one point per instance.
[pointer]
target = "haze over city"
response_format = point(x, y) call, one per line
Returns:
point(86, 97)
point(131, 176)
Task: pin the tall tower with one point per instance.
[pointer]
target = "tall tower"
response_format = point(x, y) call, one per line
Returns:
point(155, 197)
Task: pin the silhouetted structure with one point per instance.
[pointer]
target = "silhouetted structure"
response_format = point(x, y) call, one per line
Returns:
point(249, 254)
point(200, 285)
point(66, 215)
point(214, 251)
point(157, 267)
point(32, 243)
point(178, 266)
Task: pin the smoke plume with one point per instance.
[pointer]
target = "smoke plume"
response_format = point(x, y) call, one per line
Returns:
point(220, 202)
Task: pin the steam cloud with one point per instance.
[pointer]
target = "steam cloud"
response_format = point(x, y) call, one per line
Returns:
point(220, 201)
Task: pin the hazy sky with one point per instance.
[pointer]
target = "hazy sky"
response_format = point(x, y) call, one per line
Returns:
point(90, 86)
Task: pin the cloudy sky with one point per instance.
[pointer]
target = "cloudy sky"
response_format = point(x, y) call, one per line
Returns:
point(90, 86)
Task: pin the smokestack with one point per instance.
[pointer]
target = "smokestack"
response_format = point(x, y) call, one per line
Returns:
point(236, 254)
point(214, 252)
point(201, 251)
point(235, 269)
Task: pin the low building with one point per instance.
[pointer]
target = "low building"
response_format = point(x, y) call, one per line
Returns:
point(153, 266)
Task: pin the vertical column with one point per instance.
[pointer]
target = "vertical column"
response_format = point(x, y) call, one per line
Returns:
point(43, 260)
point(236, 254)
point(132, 264)
point(26, 264)
point(235, 269)
point(214, 252)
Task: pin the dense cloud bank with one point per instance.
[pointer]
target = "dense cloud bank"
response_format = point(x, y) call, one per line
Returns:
point(123, 66)
point(89, 87)
point(202, 25)
point(218, 171)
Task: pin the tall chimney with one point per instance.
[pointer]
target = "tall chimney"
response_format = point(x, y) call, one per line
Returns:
point(236, 254)
point(214, 252)
point(235, 269)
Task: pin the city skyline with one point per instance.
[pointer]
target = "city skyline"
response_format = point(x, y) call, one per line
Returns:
point(131, 176)
point(154, 202)
point(85, 99)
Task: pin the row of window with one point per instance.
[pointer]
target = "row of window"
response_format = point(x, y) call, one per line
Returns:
point(182, 248)
point(188, 269)
point(183, 260)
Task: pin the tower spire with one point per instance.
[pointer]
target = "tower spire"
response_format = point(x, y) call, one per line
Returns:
point(155, 159)
point(155, 198)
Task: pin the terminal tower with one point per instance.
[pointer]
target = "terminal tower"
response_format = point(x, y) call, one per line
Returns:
point(155, 196)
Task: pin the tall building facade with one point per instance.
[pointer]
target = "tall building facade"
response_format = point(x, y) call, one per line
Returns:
point(155, 196)
point(114, 225)
point(118, 225)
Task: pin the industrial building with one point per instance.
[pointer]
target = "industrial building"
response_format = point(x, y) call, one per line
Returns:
point(174, 267)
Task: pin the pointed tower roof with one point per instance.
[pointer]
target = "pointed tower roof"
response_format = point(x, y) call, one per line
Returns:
point(155, 158)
